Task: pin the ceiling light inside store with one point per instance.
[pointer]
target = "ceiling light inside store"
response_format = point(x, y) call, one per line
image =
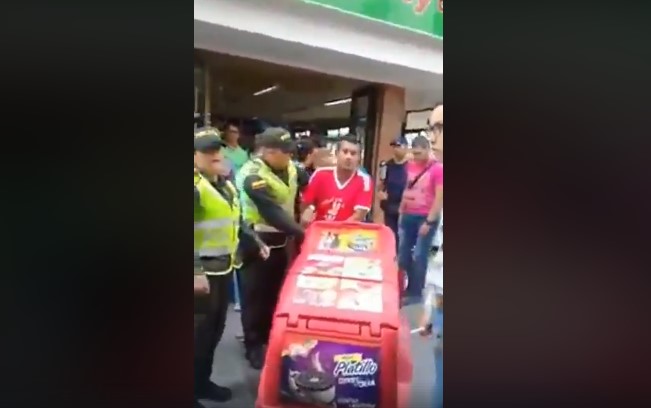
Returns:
point(266, 90)
point(337, 102)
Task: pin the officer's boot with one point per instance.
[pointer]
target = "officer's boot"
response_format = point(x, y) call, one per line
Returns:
point(256, 356)
point(206, 389)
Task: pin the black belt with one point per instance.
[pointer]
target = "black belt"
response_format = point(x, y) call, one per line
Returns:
point(273, 239)
point(216, 264)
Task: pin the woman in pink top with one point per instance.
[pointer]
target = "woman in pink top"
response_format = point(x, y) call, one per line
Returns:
point(422, 201)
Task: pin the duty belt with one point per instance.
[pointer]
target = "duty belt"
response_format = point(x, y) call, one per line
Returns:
point(217, 266)
point(268, 233)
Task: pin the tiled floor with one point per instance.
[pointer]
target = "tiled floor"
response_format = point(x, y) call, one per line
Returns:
point(231, 369)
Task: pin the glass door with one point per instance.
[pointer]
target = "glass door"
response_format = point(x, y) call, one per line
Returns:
point(363, 114)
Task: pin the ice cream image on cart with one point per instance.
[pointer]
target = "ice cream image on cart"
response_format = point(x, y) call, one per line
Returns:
point(315, 373)
point(353, 241)
point(311, 385)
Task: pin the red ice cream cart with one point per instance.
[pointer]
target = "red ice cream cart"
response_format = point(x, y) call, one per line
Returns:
point(338, 339)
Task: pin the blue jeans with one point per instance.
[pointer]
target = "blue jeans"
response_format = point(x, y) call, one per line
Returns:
point(414, 263)
point(437, 328)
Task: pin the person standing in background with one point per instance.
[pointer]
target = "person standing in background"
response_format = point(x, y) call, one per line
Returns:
point(393, 179)
point(435, 125)
point(305, 159)
point(420, 210)
point(305, 153)
point(235, 157)
point(233, 152)
point(432, 319)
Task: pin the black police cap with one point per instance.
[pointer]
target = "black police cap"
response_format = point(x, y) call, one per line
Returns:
point(207, 139)
point(276, 138)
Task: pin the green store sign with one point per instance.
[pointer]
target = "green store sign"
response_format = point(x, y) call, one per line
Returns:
point(423, 16)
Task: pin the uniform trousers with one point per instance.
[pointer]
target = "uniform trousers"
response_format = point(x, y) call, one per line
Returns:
point(209, 323)
point(261, 282)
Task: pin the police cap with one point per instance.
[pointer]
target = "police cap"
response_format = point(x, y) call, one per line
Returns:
point(275, 138)
point(207, 139)
point(399, 141)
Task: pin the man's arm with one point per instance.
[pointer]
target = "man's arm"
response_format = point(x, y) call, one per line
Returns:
point(437, 206)
point(363, 200)
point(381, 187)
point(248, 237)
point(383, 173)
point(258, 191)
point(308, 197)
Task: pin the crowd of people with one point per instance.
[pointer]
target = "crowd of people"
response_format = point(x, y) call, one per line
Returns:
point(251, 210)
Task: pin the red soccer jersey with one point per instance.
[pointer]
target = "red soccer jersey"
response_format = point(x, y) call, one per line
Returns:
point(335, 201)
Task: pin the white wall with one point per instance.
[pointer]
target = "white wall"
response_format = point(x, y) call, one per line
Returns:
point(416, 99)
point(294, 33)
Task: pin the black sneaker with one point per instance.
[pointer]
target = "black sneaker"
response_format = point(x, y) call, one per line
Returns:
point(214, 392)
point(256, 358)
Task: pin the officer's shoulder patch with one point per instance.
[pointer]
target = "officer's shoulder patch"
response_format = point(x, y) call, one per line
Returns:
point(258, 184)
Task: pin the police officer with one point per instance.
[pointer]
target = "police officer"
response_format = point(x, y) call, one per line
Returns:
point(393, 179)
point(269, 186)
point(217, 233)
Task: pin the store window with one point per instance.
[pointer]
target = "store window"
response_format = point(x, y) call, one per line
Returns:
point(333, 136)
point(416, 124)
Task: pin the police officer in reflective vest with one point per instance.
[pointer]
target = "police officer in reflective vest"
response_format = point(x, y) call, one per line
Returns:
point(217, 234)
point(268, 186)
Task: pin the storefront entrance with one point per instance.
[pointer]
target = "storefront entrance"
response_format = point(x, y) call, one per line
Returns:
point(257, 94)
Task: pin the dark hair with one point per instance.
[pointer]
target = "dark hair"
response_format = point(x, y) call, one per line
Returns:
point(303, 149)
point(348, 139)
point(421, 142)
point(228, 124)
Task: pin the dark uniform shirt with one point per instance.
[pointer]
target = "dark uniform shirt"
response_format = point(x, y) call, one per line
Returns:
point(273, 213)
point(394, 182)
point(309, 170)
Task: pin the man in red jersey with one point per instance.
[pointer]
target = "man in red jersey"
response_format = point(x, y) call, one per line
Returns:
point(340, 193)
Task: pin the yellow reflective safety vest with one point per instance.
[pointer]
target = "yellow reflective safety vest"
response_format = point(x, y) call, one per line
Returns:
point(216, 223)
point(284, 195)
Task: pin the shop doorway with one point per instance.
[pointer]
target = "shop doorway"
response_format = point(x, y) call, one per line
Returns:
point(256, 94)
